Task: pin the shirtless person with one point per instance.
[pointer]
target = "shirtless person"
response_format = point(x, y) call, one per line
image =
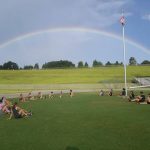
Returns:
point(30, 97)
point(22, 98)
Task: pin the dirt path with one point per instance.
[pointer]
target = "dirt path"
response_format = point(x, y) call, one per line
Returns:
point(46, 92)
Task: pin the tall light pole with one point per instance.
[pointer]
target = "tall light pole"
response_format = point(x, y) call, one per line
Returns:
point(122, 21)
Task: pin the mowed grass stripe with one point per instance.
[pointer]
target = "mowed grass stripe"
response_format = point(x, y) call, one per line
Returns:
point(84, 122)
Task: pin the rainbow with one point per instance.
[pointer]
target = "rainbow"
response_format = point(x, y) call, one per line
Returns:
point(75, 29)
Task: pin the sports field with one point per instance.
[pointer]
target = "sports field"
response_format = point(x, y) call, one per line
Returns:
point(83, 122)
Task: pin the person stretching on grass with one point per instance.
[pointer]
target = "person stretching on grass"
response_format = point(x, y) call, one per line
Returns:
point(18, 112)
point(141, 98)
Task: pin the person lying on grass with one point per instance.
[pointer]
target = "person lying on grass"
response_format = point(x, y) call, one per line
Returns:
point(141, 98)
point(18, 112)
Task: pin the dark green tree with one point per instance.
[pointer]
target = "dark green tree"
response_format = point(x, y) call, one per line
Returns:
point(145, 62)
point(1, 67)
point(86, 65)
point(58, 64)
point(121, 63)
point(80, 64)
point(132, 61)
point(28, 67)
point(97, 63)
point(116, 63)
point(10, 65)
point(36, 66)
point(108, 63)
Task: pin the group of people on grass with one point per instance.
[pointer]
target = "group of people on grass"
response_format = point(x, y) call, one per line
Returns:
point(102, 93)
point(140, 99)
point(30, 97)
point(13, 110)
point(41, 96)
point(6, 106)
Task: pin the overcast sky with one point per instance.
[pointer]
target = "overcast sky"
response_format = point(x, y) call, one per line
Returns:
point(34, 31)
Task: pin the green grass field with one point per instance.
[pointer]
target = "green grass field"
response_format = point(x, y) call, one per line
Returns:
point(84, 122)
point(68, 76)
point(85, 78)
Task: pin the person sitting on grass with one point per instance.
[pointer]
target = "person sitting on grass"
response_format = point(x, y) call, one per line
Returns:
point(39, 96)
point(148, 99)
point(101, 93)
point(131, 96)
point(18, 112)
point(141, 98)
point(2, 104)
point(30, 97)
point(51, 95)
point(110, 92)
point(123, 92)
point(61, 94)
point(5, 105)
point(71, 93)
point(22, 98)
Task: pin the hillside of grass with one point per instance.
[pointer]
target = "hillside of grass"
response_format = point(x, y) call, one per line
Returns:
point(73, 76)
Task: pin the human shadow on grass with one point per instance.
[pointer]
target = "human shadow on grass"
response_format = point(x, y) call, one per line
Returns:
point(71, 148)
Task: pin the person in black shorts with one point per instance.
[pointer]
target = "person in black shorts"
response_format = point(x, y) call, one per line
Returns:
point(18, 112)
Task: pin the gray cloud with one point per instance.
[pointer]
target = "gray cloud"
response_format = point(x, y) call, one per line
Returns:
point(20, 17)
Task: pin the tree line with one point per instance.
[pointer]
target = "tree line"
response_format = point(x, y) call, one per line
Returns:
point(67, 64)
